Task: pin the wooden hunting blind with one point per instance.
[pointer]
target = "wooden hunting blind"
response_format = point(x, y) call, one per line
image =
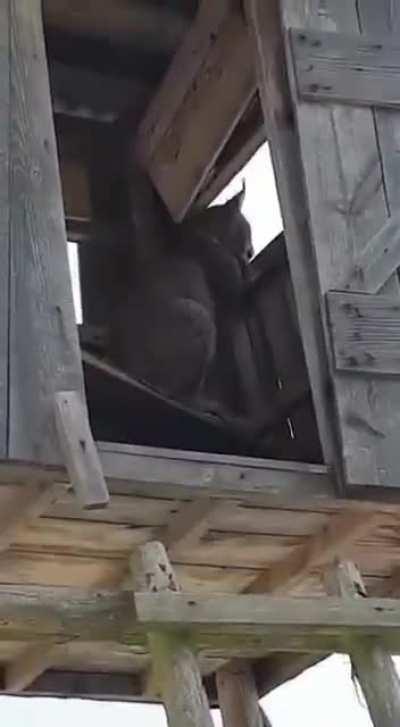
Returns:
point(94, 464)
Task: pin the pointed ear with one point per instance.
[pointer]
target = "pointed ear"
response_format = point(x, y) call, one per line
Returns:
point(237, 200)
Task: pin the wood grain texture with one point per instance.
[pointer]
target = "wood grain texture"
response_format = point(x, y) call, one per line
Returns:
point(348, 203)
point(373, 667)
point(44, 349)
point(207, 89)
point(267, 36)
point(365, 331)
point(176, 670)
point(345, 68)
point(379, 259)
point(238, 697)
point(28, 666)
point(80, 453)
point(4, 217)
point(335, 538)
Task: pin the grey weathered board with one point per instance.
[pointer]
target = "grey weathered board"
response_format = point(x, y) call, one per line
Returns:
point(4, 216)
point(379, 259)
point(347, 68)
point(44, 351)
point(365, 332)
point(353, 187)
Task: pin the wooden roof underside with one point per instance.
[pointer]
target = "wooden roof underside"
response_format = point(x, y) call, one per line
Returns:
point(231, 525)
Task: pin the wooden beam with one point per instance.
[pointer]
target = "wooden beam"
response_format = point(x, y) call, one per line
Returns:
point(188, 525)
point(4, 217)
point(44, 355)
point(268, 48)
point(28, 666)
point(373, 666)
point(245, 626)
point(335, 539)
point(27, 503)
point(175, 666)
point(238, 697)
point(345, 68)
point(379, 259)
point(81, 457)
point(202, 97)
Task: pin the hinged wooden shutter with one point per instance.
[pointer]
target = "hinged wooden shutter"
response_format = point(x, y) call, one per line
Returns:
point(344, 62)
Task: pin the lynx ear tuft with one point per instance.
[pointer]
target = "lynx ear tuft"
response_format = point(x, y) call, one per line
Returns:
point(238, 199)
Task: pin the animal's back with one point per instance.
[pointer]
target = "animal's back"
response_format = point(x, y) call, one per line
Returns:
point(164, 332)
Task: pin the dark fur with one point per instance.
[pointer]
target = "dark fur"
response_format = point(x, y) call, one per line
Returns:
point(164, 329)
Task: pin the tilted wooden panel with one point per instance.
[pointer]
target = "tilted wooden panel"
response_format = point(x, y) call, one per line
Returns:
point(352, 172)
point(4, 217)
point(365, 332)
point(205, 92)
point(347, 68)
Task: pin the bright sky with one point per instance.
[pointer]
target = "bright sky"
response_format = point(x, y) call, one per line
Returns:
point(323, 696)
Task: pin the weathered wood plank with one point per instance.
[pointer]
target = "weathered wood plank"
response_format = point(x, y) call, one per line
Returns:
point(379, 259)
point(238, 697)
point(228, 626)
point(254, 614)
point(26, 668)
point(174, 663)
point(206, 90)
point(339, 534)
point(267, 36)
point(347, 205)
point(373, 667)
point(365, 332)
point(188, 525)
point(44, 353)
point(27, 503)
point(4, 217)
point(346, 68)
point(79, 450)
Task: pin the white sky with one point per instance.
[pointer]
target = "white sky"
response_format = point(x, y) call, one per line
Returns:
point(323, 696)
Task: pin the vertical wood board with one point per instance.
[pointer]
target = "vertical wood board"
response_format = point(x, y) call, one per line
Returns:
point(267, 41)
point(44, 351)
point(4, 217)
point(348, 203)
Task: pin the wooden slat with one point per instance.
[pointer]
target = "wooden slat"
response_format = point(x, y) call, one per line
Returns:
point(188, 525)
point(80, 453)
point(379, 259)
point(373, 667)
point(26, 504)
point(238, 697)
point(206, 90)
point(174, 663)
point(268, 48)
point(348, 204)
point(334, 539)
point(365, 332)
point(4, 217)
point(44, 354)
point(345, 68)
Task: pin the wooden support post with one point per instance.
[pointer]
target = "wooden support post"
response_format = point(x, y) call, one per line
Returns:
point(176, 669)
point(44, 355)
point(238, 698)
point(373, 666)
